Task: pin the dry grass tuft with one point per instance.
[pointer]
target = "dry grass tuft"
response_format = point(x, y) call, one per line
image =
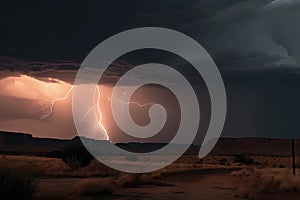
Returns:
point(95, 168)
point(15, 183)
point(266, 181)
point(37, 166)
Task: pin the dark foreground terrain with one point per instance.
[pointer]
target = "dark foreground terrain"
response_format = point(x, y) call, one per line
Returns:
point(246, 168)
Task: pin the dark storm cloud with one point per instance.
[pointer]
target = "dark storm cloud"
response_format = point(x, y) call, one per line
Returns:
point(58, 30)
point(62, 70)
point(241, 36)
point(251, 26)
point(281, 19)
point(255, 44)
point(232, 61)
point(59, 70)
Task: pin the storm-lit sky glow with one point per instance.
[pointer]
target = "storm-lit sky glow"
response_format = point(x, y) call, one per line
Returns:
point(255, 45)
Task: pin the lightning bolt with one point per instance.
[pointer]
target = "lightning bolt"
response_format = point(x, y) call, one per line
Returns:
point(132, 102)
point(52, 103)
point(97, 105)
point(100, 114)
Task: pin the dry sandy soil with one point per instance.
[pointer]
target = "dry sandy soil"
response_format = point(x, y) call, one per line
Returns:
point(195, 185)
point(206, 185)
point(189, 178)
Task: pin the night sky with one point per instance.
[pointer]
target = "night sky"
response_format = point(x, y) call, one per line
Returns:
point(255, 45)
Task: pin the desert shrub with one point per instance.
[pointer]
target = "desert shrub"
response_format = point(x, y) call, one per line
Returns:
point(92, 187)
point(223, 161)
point(243, 159)
point(136, 180)
point(257, 163)
point(263, 182)
point(200, 161)
point(95, 169)
point(15, 183)
point(76, 155)
point(243, 172)
point(128, 180)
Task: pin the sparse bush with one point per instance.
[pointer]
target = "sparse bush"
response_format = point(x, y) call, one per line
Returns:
point(128, 180)
point(96, 168)
point(92, 187)
point(15, 183)
point(260, 182)
point(257, 163)
point(200, 161)
point(243, 173)
point(223, 161)
point(135, 180)
point(243, 159)
point(76, 155)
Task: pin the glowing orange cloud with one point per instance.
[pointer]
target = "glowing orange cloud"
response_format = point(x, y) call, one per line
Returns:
point(26, 87)
point(44, 95)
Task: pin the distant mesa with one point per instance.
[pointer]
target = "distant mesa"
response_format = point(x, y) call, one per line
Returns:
point(11, 142)
point(22, 143)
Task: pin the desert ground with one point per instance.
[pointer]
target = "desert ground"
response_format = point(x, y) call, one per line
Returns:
point(214, 177)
